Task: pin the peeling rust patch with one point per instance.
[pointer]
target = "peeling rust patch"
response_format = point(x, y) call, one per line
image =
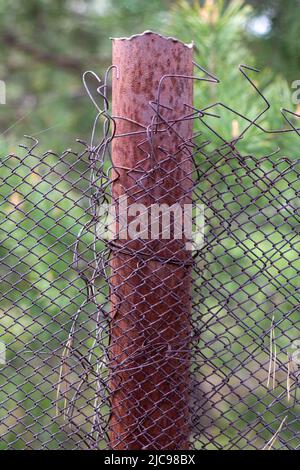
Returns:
point(159, 385)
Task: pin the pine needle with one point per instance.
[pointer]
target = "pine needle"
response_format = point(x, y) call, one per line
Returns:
point(273, 439)
point(63, 372)
point(288, 379)
point(271, 353)
point(274, 359)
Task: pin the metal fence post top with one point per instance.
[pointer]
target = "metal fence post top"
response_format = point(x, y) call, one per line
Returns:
point(154, 33)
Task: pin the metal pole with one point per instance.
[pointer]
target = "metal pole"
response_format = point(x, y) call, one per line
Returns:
point(150, 279)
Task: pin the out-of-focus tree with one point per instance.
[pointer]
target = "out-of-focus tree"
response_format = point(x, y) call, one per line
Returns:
point(222, 42)
point(45, 47)
point(279, 47)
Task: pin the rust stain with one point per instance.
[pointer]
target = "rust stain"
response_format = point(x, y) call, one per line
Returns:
point(150, 299)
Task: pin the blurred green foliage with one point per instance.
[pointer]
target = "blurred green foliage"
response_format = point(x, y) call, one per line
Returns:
point(279, 48)
point(46, 45)
point(221, 45)
point(43, 58)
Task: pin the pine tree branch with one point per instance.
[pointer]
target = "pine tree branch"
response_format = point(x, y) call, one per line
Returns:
point(65, 62)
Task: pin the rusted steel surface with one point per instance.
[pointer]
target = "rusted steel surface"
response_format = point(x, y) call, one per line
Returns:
point(150, 279)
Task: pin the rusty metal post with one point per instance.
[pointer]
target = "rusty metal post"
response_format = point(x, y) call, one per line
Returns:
point(150, 279)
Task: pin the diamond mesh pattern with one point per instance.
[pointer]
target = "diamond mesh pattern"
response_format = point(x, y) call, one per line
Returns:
point(232, 367)
point(246, 288)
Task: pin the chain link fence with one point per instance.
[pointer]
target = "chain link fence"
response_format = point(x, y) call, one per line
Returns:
point(224, 360)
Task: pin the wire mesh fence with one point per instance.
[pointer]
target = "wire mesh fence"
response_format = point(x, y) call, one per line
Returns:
point(110, 343)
